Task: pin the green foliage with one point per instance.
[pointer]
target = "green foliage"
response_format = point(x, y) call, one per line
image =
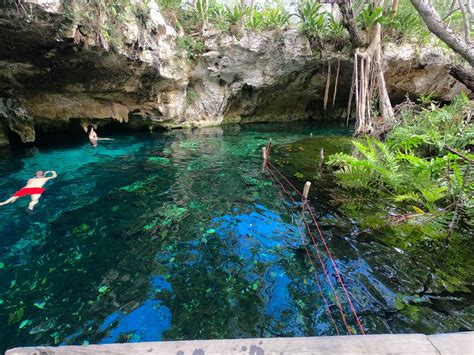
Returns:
point(191, 95)
point(193, 46)
point(275, 17)
point(235, 14)
point(169, 5)
point(413, 172)
point(255, 21)
point(319, 26)
point(217, 15)
point(313, 23)
point(202, 10)
point(405, 24)
point(369, 17)
point(101, 20)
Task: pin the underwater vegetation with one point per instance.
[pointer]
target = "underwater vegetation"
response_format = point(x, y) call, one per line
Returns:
point(126, 246)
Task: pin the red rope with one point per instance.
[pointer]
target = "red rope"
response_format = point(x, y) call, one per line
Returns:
point(319, 285)
point(327, 249)
point(338, 302)
point(337, 271)
point(322, 265)
point(283, 176)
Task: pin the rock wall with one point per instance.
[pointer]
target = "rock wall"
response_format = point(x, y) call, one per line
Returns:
point(53, 72)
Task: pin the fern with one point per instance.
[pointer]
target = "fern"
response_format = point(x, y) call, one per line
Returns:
point(412, 170)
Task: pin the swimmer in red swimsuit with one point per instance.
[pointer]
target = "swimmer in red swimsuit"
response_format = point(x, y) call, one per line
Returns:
point(33, 188)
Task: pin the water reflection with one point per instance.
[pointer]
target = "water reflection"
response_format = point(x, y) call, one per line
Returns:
point(179, 235)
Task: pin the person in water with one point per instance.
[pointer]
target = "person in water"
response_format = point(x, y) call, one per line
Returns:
point(34, 188)
point(93, 137)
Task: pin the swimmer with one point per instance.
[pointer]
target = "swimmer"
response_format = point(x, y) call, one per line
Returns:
point(93, 137)
point(34, 188)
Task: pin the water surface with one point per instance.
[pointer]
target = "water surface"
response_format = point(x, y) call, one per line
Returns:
point(183, 235)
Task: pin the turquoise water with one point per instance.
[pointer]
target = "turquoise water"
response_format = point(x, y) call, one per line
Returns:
point(182, 235)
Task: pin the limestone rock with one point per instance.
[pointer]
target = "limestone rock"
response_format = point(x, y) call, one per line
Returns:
point(419, 71)
point(50, 6)
point(56, 72)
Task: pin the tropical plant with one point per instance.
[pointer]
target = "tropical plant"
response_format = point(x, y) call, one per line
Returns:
point(369, 17)
point(235, 14)
point(255, 21)
point(313, 22)
point(405, 24)
point(335, 29)
point(422, 171)
point(275, 17)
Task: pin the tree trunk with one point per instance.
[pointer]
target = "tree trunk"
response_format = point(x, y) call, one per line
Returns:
point(464, 75)
point(348, 19)
point(395, 7)
point(436, 25)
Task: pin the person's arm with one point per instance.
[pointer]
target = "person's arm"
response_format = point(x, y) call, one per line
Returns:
point(53, 176)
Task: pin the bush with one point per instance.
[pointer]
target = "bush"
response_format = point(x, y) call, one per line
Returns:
point(420, 181)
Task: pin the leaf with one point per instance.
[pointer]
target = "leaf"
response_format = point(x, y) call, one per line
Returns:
point(418, 210)
point(16, 316)
point(103, 289)
point(39, 305)
point(24, 323)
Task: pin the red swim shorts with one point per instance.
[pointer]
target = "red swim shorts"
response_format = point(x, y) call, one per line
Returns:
point(29, 191)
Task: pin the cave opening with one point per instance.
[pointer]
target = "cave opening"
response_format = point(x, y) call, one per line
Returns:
point(72, 133)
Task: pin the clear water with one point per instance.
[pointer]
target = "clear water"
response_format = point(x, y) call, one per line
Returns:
point(182, 235)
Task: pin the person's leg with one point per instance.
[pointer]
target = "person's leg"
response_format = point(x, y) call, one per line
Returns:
point(34, 201)
point(10, 200)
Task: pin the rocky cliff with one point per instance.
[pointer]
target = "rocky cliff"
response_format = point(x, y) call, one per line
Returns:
point(59, 72)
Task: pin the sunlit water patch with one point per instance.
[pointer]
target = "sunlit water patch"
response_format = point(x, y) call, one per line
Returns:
point(181, 235)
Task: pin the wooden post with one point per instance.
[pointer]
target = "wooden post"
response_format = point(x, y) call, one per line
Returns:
point(306, 190)
point(321, 158)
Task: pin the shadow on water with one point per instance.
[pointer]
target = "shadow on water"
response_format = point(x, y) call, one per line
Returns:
point(182, 235)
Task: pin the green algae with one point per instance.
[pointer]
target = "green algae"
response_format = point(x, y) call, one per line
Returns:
point(161, 160)
point(138, 185)
point(302, 158)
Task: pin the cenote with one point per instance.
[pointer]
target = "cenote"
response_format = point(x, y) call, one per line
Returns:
point(182, 235)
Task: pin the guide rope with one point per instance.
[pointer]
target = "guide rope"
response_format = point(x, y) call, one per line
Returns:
point(271, 169)
point(316, 276)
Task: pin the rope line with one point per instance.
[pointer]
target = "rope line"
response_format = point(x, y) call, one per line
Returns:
point(311, 260)
point(269, 167)
point(283, 176)
point(336, 270)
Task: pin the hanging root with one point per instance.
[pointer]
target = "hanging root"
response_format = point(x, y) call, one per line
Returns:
point(328, 83)
point(335, 82)
point(369, 85)
point(351, 93)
